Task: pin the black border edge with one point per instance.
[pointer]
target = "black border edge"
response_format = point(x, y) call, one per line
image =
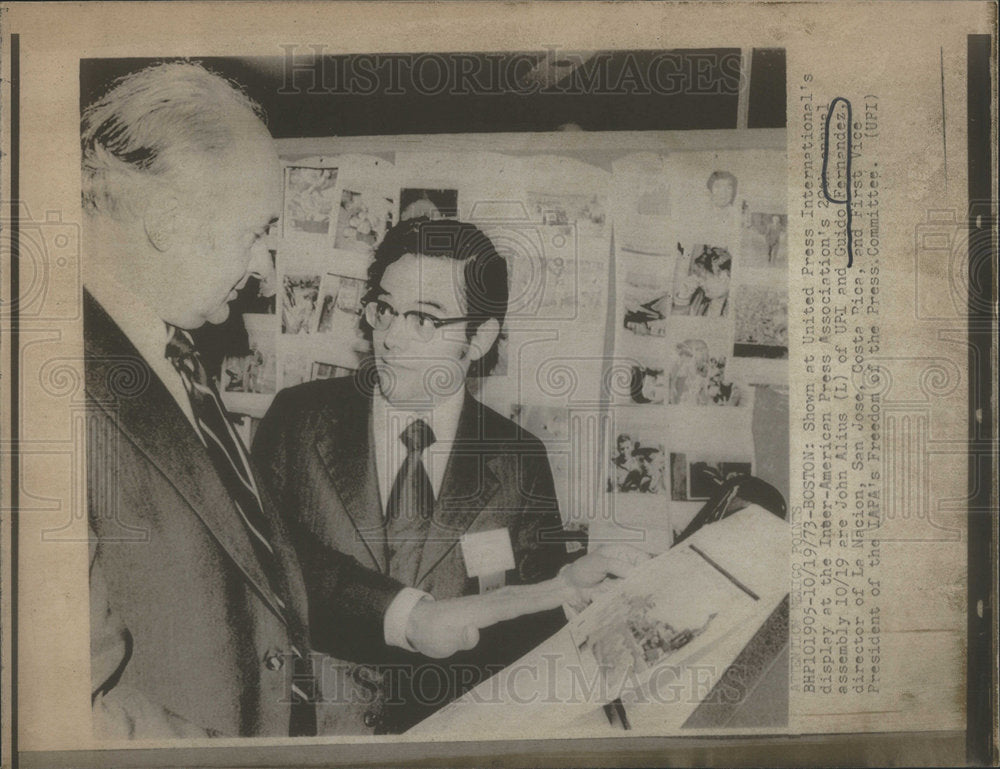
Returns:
point(981, 673)
point(14, 373)
point(767, 92)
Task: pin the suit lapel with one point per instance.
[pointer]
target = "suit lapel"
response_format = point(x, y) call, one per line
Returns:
point(155, 424)
point(345, 445)
point(468, 485)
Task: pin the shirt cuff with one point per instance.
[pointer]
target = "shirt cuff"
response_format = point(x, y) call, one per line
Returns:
point(398, 615)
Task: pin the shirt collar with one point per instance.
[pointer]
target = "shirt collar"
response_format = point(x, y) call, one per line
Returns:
point(140, 323)
point(443, 417)
point(144, 328)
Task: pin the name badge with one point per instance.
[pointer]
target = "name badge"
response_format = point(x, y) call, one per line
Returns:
point(487, 552)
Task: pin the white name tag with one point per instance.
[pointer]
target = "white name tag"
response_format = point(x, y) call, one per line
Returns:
point(487, 552)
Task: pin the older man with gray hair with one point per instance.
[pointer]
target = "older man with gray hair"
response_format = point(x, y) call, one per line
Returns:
point(201, 621)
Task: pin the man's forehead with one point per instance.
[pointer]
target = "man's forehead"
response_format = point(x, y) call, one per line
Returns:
point(425, 279)
point(243, 171)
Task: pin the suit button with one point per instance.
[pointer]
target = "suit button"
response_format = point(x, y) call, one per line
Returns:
point(274, 660)
point(371, 719)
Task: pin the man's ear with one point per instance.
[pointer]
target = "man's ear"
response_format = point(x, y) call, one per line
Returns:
point(482, 341)
point(161, 221)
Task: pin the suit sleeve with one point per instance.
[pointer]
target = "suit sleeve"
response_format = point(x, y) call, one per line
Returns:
point(347, 602)
point(120, 711)
point(540, 548)
point(539, 553)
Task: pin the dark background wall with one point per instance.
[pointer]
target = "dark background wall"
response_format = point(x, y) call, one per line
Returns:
point(309, 95)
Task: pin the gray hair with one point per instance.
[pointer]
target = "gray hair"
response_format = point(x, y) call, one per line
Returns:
point(149, 118)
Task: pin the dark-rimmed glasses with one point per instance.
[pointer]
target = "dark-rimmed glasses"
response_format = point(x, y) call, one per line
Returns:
point(380, 316)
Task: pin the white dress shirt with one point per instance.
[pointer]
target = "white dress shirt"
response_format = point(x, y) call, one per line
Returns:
point(145, 330)
point(388, 423)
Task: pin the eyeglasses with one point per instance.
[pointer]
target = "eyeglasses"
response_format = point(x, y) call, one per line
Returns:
point(380, 315)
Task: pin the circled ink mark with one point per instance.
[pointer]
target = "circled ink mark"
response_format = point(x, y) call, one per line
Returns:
point(847, 200)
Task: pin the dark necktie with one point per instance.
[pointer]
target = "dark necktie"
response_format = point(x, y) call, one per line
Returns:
point(412, 495)
point(231, 462)
point(410, 505)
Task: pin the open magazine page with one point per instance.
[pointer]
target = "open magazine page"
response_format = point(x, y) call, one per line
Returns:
point(645, 640)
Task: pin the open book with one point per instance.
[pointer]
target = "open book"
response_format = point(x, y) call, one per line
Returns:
point(658, 640)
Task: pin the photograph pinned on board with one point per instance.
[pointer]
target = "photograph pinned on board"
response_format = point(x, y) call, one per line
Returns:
point(255, 372)
point(338, 318)
point(701, 281)
point(299, 303)
point(320, 370)
point(363, 219)
point(340, 307)
point(592, 287)
point(697, 376)
point(637, 464)
point(585, 212)
point(546, 276)
point(761, 328)
point(416, 202)
point(722, 187)
point(706, 208)
point(251, 373)
point(573, 289)
point(763, 238)
point(551, 425)
point(647, 303)
point(310, 200)
point(294, 368)
point(698, 477)
point(643, 207)
point(523, 249)
point(546, 287)
point(300, 366)
point(648, 383)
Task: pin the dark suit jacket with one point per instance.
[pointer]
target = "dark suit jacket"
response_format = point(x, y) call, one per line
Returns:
point(315, 445)
point(186, 632)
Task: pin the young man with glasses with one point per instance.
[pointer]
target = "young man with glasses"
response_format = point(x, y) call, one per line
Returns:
point(401, 468)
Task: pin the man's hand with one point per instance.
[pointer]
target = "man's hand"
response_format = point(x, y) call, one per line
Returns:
point(441, 628)
point(587, 576)
point(438, 629)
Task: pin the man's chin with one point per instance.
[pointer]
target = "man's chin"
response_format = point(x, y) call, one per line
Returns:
point(396, 387)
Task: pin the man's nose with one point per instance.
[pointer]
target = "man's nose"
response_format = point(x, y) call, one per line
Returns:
point(261, 264)
point(395, 336)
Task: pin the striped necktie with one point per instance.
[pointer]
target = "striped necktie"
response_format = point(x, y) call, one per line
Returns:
point(231, 462)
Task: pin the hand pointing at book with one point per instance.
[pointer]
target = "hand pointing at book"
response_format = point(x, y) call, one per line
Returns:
point(441, 628)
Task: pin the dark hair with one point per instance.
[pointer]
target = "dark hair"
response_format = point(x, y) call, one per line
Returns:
point(484, 276)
